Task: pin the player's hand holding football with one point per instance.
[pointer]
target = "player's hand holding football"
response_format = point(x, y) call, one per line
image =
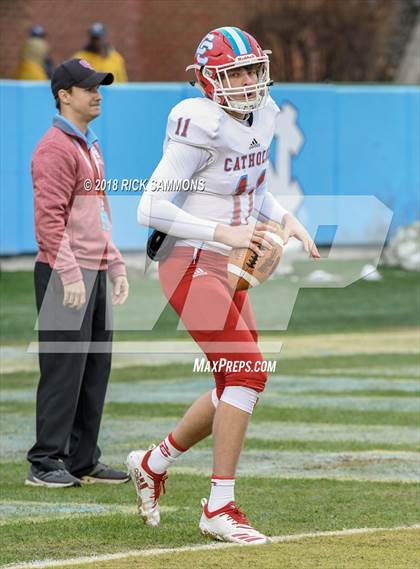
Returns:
point(250, 236)
point(293, 228)
point(74, 295)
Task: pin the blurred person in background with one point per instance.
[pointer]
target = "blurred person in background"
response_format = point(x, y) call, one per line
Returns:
point(39, 32)
point(102, 55)
point(31, 66)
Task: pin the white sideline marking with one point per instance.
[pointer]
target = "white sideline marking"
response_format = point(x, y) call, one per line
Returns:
point(163, 551)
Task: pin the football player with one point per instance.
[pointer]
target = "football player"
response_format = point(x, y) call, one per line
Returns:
point(223, 140)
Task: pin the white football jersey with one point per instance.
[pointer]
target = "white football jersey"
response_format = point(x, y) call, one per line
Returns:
point(237, 165)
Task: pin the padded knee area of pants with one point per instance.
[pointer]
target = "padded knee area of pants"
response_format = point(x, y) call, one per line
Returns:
point(242, 398)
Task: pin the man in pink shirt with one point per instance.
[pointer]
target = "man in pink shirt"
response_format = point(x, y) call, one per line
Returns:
point(75, 256)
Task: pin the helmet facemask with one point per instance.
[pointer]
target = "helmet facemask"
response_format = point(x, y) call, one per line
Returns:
point(252, 97)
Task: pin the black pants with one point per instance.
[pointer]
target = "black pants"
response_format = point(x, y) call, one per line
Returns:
point(73, 382)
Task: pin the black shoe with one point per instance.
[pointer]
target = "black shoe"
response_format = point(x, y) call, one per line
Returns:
point(60, 478)
point(105, 475)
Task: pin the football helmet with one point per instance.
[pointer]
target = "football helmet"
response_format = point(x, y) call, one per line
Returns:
point(220, 51)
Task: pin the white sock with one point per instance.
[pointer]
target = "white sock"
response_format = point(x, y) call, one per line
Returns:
point(222, 492)
point(164, 455)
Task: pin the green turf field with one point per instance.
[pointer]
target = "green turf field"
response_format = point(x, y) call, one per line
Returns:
point(333, 445)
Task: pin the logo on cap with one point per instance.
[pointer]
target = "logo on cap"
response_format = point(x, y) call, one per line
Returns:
point(86, 64)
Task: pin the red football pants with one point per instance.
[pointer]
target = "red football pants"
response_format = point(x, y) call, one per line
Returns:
point(222, 323)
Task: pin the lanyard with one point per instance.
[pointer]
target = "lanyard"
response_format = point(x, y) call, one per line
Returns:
point(93, 153)
point(105, 221)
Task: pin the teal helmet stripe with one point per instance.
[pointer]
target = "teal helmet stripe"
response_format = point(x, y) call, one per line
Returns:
point(244, 39)
point(237, 40)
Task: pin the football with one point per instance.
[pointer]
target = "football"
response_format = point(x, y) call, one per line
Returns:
point(246, 269)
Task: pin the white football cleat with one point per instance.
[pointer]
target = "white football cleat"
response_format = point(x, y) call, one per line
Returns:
point(148, 485)
point(230, 524)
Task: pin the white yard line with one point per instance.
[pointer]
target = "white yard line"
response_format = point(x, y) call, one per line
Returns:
point(155, 552)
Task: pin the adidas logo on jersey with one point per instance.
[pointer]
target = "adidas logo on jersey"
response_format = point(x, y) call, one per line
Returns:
point(254, 144)
point(199, 273)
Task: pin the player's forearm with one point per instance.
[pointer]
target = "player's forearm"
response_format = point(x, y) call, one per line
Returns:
point(168, 218)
